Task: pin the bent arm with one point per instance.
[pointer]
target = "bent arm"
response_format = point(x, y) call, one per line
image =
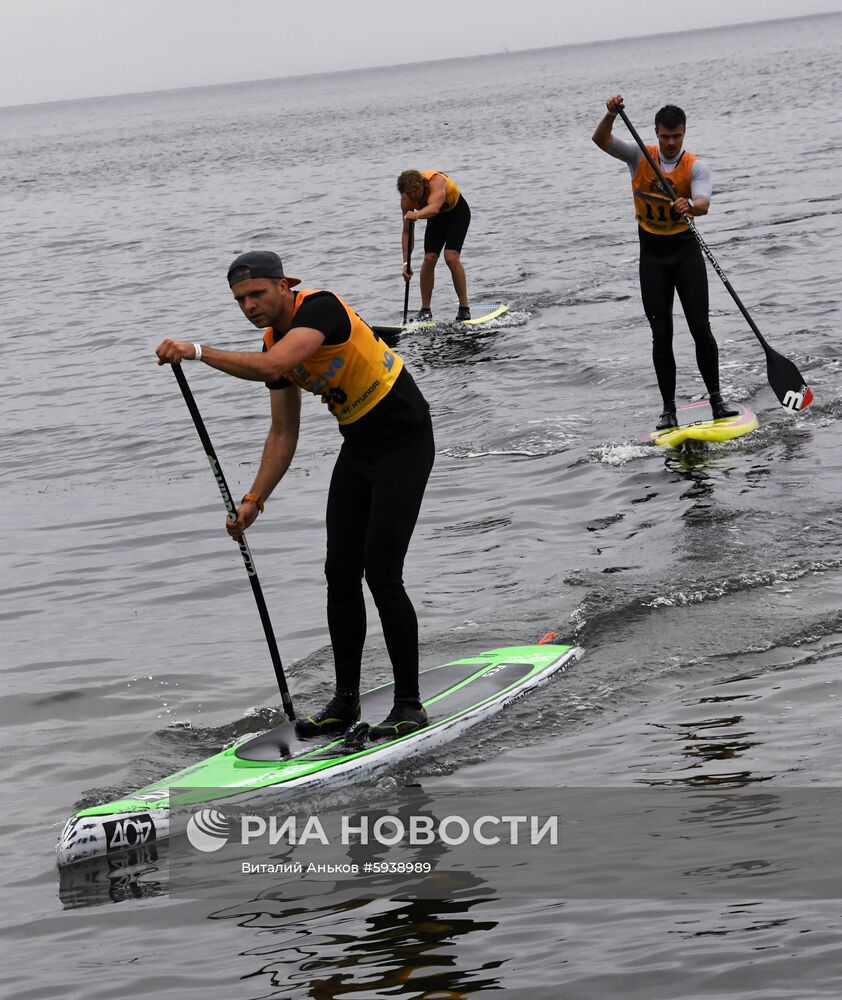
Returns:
point(281, 441)
point(701, 189)
point(435, 200)
point(603, 134)
point(294, 347)
point(406, 231)
point(700, 192)
point(278, 450)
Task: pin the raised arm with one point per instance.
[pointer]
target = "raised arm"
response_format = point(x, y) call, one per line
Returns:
point(603, 135)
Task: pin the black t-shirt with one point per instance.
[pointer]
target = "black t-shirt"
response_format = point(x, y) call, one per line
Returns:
point(322, 312)
point(402, 407)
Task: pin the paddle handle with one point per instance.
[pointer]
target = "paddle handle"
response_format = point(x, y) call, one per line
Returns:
point(245, 552)
point(410, 243)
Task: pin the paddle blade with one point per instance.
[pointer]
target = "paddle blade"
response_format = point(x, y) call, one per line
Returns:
point(787, 382)
point(390, 335)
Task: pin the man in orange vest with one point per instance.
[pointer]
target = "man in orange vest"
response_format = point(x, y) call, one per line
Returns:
point(670, 257)
point(432, 195)
point(313, 340)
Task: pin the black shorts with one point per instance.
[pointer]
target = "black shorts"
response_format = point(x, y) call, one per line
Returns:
point(447, 230)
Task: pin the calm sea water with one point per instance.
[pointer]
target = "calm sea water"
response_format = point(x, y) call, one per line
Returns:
point(706, 591)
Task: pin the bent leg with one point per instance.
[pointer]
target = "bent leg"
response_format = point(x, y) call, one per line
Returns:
point(348, 510)
point(427, 279)
point(657, 292)
point(398, 485)
point(691, 281)
point(454, 261)
point(457, 221)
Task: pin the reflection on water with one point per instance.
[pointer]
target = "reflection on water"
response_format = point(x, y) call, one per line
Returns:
point(137, 874)
point(404, 948)
point(708, 741)
point(548, 506)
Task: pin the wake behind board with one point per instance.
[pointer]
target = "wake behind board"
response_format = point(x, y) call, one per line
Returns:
point(696, 423)
point(482, 313)
point(456, 695)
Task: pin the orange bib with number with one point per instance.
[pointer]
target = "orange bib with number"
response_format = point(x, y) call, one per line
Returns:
point(352, 377)
point(652, 206)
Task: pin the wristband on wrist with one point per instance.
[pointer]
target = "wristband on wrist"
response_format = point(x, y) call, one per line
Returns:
point(255, 498)
point(198, 349)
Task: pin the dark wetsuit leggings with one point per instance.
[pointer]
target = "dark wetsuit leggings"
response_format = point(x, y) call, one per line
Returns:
point(372, 508)
point(670, 264)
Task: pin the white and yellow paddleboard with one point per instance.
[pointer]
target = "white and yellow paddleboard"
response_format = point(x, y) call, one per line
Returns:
point(696, 423)
point(484, 312)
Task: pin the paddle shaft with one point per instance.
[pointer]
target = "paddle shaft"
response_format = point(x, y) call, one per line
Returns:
point(245, 552)
point(691, 223)
point(410, 242)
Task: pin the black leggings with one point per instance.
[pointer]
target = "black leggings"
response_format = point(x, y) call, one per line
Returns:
point(372, 508)
point(676, 265)
point(447, 230)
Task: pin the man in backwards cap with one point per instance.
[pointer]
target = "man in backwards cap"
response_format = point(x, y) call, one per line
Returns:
point(313, 340)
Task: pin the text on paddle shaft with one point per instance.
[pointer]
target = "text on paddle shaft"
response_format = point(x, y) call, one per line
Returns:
point(232, 510)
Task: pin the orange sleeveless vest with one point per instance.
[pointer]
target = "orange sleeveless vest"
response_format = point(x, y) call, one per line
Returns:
point(352, 377)
point(451, 194)
point(652, 207)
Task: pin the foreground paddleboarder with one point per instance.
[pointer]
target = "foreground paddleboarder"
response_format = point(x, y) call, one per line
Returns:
point(432, 195)
point(313, 340)
point(670, 257)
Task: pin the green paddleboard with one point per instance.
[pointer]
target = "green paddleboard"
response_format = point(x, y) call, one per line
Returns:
point(456, 695)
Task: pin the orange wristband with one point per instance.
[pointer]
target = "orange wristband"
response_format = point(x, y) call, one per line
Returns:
point(255, 498)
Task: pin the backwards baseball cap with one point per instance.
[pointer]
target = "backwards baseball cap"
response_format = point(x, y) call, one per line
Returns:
point(258, 264)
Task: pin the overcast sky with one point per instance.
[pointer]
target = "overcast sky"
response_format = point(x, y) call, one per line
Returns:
point(58, 49)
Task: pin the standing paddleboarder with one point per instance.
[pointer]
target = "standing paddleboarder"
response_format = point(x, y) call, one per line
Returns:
point(313, 340)
point(670, 257)
point(433, 196)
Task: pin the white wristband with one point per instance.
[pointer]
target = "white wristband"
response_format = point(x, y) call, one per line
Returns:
point(198, 349)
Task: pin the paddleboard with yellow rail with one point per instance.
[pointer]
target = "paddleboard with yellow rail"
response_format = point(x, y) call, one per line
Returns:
point(696, 423)
point(483, 313)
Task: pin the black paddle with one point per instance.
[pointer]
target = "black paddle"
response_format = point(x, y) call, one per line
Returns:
point(245, 552)
point(410, 243)
point(786, 380)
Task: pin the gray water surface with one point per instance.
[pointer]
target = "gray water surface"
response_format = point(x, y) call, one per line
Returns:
point(705, 590)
